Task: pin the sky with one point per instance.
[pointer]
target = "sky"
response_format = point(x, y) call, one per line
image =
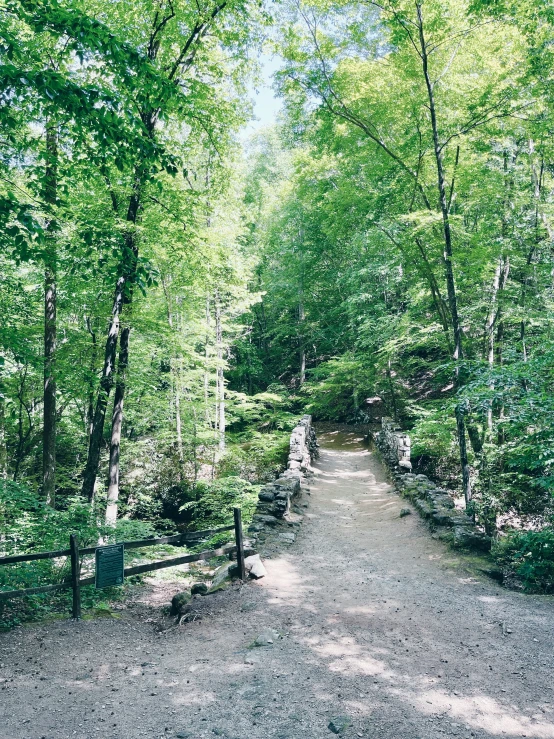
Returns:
point(266, 105)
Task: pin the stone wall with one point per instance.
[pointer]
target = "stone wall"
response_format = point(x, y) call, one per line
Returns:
point(433, 503)
point(275, 498)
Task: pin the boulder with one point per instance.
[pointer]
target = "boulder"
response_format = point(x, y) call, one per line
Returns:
point(199, 588)
point(339, 724)
point(267, 493)
point(180, 603)
point(289, 537)
point(225, 572)
point(265, 520)
point(254, 566)
point(467, 537)
point(266, 639)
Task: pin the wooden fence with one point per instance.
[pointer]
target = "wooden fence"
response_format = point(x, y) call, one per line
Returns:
point(74, 552)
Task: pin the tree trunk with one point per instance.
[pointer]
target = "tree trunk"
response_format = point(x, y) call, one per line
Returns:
point(106, 382)
point(123, 294)
point(3, 449)
point(206, 365)
point(92, 370)
point(178, 420)
point(49, 396)
point(301, 318)
point(220, 376)
point(117, 422)
point(448, 266)
point(489, 331)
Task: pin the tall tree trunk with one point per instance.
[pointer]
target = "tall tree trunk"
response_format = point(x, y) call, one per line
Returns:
point(178, 421)
point(92, 370)
point(106, 383)
point(117, 423)
point(123, 294)
point(3, 449)
point(448, 256)
point(301, 319)
point(301, 312)
point(220, 375)
point(49, 396)
point(206, 364)
point(489, 330)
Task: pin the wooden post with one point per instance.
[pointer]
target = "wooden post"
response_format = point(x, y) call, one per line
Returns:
point(74, 548)
point(240, 547)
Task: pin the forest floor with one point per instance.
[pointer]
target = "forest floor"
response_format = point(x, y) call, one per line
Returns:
point(376, 628)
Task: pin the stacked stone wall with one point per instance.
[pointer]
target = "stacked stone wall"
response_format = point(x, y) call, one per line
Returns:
point(433, 503)
point(276, 497)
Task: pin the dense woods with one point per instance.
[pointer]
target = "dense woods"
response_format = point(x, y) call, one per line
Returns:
point(174, 295)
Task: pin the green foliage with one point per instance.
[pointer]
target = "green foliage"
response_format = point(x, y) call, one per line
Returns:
point(29, 525)
point(259, 459)
point(529, 555)
point(215, 502)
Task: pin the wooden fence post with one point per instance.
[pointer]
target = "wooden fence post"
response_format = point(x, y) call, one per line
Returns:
point(240, 546)
point(75, 575)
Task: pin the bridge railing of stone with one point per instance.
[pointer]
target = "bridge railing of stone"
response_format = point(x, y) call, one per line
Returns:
point(275, 497)
point(434, 504)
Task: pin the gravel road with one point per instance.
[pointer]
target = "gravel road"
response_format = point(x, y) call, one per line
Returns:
point(377, 630)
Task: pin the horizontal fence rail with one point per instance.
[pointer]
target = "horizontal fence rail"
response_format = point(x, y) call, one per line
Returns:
point(190, 537)
point(75, 582)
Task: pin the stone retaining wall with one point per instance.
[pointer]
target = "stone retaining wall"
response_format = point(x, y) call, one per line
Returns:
point(275, 498)
point(432, 502)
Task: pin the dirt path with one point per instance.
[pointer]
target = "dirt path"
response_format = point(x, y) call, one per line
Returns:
point(379, 623)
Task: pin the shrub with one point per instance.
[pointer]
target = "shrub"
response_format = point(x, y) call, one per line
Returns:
point(259, 459)
point(529, 555)
point(216, 500)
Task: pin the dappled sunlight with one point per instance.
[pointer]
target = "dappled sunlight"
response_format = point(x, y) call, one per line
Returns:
point(190, 697)
point(348, 657)
point(478, 711)
point(419, 688)
point(286, 586)
point(360, 707)
point(483, 712)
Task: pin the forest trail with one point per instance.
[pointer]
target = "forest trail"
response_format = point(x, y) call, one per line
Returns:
point(378, 622)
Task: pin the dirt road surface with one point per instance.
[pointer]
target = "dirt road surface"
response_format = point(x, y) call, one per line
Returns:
point(377, 629)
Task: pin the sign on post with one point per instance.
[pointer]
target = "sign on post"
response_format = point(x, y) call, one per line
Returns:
point(109, 565)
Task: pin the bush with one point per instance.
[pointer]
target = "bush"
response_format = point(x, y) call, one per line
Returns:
point(529, 555)
point(259, 459)
point(216, 500)
point(28, 525)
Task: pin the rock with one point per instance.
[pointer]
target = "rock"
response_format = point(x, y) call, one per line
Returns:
point(180, 603)
point(254, 566)
point(288, 537)
point(267, 493)
point(466, 537)
point(264, 520)
point(339, 724)
point(248, 552)
point(405, 512)
point(288, 483)
point(199, 588)
point(266, 639)
point(225, 572)
point(252, 659)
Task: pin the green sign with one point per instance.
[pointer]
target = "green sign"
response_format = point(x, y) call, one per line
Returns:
point(109, 565)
